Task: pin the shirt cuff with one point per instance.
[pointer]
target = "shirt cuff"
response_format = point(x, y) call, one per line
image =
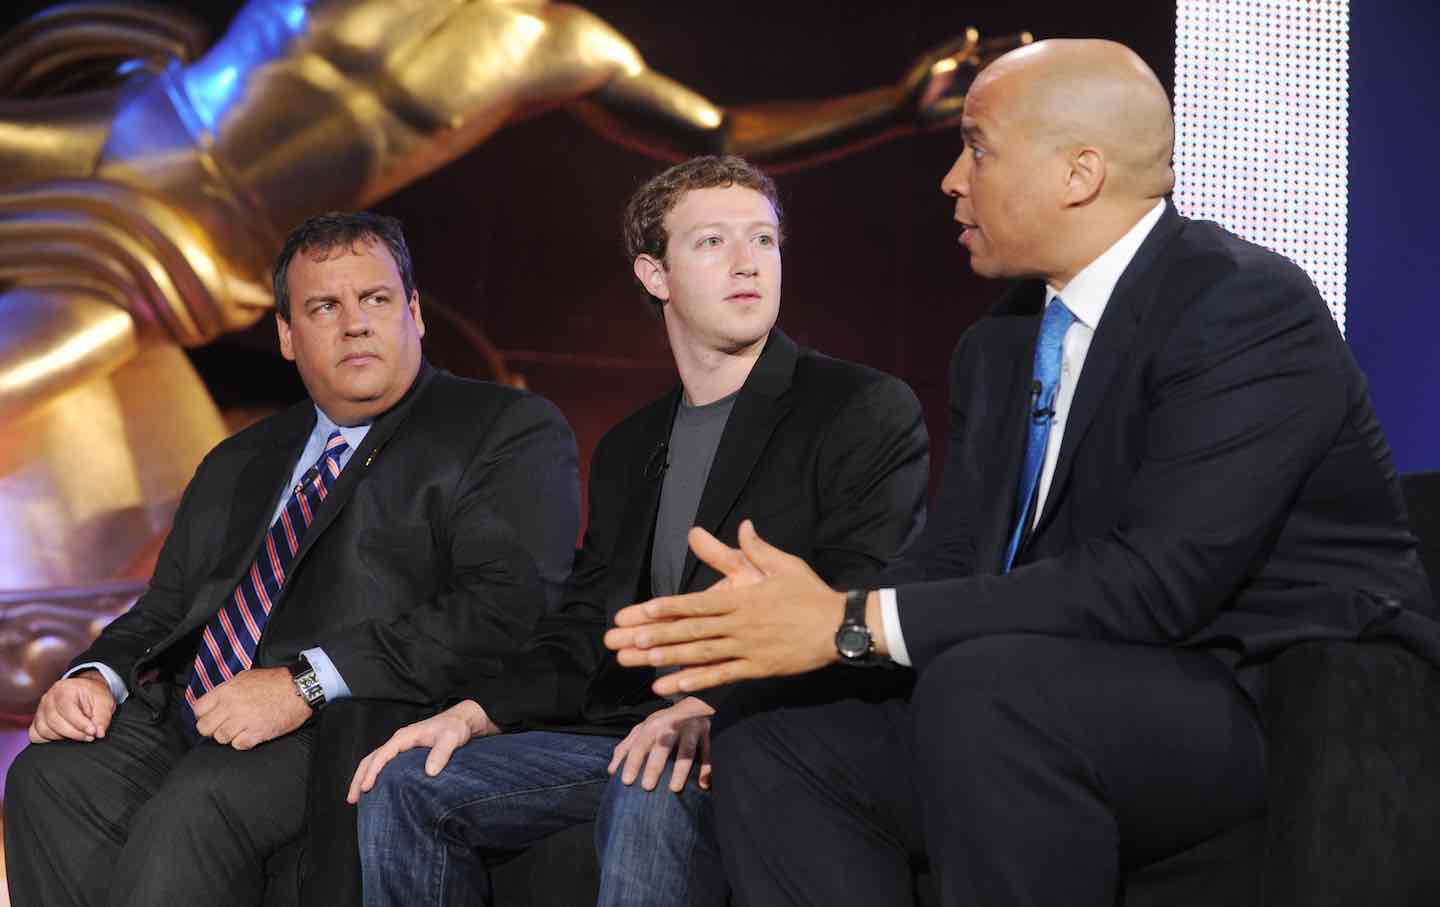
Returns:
point(331, 683)
point(890, 619)
point(112, 680)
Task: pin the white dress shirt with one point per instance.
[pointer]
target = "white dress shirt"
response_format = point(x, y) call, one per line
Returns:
point(1086, 296)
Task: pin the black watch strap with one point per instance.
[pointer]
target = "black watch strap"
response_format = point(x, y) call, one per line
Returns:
point(854, 641)
point(855, 606)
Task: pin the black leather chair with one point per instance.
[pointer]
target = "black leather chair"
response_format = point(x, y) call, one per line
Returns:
point(1354, 818)
point(1354, 766)
point(1353, 733)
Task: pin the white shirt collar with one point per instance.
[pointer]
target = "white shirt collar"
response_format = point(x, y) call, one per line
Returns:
point(1089, 292)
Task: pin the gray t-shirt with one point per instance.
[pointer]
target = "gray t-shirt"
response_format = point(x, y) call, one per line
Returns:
point(693, 440)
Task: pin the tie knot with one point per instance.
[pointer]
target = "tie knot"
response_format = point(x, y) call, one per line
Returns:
point(1055, 322)
point(327, 467)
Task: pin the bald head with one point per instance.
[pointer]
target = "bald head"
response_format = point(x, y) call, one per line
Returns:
point(1091, 93)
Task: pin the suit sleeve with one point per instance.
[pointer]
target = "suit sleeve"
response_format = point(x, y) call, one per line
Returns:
point(509, 535)
point(1241, 402)
point(873, 473)
point(130, 637)
point(546, 681)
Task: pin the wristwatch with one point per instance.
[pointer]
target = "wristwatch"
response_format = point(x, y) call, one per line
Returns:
point(307, 685)
point(853, 640)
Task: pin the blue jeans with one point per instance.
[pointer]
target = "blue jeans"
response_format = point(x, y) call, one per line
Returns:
point(425, 840)
point(658, 847)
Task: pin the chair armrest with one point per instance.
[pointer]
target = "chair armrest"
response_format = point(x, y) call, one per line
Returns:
point(1353, 733)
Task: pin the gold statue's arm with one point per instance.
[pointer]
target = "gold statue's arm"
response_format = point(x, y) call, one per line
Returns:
point(652, 113)
point(56, 339)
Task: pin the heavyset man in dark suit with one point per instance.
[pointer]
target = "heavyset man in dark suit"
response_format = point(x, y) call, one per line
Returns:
point(439, 516)
point(828, 456)
point(1149, 491)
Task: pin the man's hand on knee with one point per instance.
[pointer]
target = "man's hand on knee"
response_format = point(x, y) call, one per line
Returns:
point(252, 707)
point(75, 708)
point(684, 728)
point(442, 734)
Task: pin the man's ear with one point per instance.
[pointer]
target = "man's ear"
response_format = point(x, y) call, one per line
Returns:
point(415, 312)
point(282, 328)
point(1085, 177)
point(650, 271)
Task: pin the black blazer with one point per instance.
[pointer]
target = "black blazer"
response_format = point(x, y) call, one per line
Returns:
point(429, 560)
point(827, 457)
point(1222, 481)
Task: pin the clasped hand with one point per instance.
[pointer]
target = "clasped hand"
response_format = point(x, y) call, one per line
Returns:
point(770, 615)
point(251, 708)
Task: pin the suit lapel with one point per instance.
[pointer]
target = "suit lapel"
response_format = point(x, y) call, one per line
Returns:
point(357, 466)
point(759, 407)
point(637, 524)
point(1113, 337)
point(1015, 342)
point(259, 489)
point(257, 493)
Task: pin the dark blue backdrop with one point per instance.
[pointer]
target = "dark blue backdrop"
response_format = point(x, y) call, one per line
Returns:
point(1393, 292)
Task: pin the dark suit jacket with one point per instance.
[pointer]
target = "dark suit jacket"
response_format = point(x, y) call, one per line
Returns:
point(827, 457)
point(428, 562)
point(1222, 480)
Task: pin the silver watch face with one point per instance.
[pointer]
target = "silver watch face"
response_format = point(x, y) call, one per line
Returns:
point(853, 641)
point(308, 686)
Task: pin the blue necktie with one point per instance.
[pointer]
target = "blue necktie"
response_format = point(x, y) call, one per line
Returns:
point(1048, 351)
point(228, 643)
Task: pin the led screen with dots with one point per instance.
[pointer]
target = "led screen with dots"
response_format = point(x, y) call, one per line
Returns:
point(1261, 95)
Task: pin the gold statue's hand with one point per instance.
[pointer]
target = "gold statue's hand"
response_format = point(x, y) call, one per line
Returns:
point(935, 85)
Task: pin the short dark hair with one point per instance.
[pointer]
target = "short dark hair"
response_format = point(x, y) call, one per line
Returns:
point(328, 232)
point(645, 212)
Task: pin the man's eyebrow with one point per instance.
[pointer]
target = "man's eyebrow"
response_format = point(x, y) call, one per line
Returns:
point(331, 297)
point(971, 131)
point(720, 223)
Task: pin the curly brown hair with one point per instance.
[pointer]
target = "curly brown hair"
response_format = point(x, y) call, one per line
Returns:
point(645, 213)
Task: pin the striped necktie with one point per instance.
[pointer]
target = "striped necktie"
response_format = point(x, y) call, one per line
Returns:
point(1045, 382)
point(227, 645)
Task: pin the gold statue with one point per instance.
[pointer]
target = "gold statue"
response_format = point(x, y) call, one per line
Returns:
point(140, 215)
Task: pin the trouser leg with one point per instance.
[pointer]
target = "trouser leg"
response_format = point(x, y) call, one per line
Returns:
point(814, 800)
point(69, 806)
point(1047, 766)
point(204, 836)
point(657, 848)
point(426, 840)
